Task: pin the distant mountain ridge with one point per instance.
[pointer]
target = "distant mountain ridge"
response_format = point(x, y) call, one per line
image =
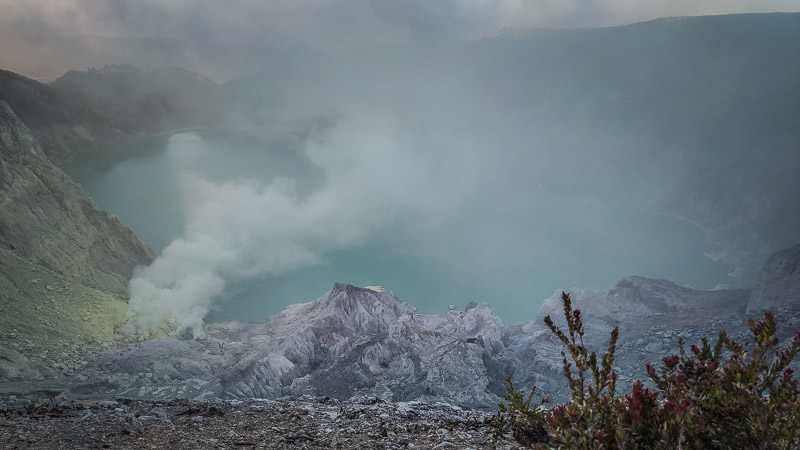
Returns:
point(84, 111)
point(145, 102)
point(61, 124)
point(696, 117)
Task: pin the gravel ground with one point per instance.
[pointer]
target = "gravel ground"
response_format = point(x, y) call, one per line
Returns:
point(294, 422)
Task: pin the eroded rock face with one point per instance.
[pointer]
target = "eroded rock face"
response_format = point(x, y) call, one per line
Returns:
point(351, 341)
point(45, 219)
point(779, 283)
point(355, 340)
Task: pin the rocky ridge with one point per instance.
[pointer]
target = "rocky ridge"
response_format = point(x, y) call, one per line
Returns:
point(366, 342)
point(150, 102)
point(652, 315)
point(352, 341)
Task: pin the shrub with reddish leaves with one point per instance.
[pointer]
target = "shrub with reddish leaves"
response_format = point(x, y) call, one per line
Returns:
point(720, 396)
point(588, 419)
point(747, 400)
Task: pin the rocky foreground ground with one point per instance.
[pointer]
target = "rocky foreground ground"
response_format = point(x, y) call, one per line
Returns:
point(293, 422)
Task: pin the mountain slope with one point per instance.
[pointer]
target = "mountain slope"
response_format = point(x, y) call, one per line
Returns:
point(64, 264)
point(45, 219)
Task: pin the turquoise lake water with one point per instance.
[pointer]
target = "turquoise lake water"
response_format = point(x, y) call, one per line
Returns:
point(511, 256)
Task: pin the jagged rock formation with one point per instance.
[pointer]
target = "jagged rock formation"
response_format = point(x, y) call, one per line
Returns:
point(779, 283)
point(64, 264)
point(352, 341)
point(637, 298)
point(357, 341)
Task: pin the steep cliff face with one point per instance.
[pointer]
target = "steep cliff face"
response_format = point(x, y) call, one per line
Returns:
point(779, 283)
point(45, 219)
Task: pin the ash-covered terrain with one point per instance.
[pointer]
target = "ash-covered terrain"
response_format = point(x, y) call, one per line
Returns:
point(358, 368)
point(291, 422)
point(366, 342)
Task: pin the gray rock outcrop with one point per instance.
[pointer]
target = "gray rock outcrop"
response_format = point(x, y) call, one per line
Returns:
point(779, 283)
point(358, 341)
point(351, 341)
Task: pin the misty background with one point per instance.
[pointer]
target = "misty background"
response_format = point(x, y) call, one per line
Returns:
point(221, 40)
point(451, 152)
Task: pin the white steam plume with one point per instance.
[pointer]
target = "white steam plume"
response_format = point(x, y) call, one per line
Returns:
point(243, 229)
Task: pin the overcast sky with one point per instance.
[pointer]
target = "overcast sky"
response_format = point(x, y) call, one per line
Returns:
point(341, 24)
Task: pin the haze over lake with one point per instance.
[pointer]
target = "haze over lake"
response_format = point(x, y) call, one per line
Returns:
point(380, 216)
point(498, 170)
point(509, 248)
